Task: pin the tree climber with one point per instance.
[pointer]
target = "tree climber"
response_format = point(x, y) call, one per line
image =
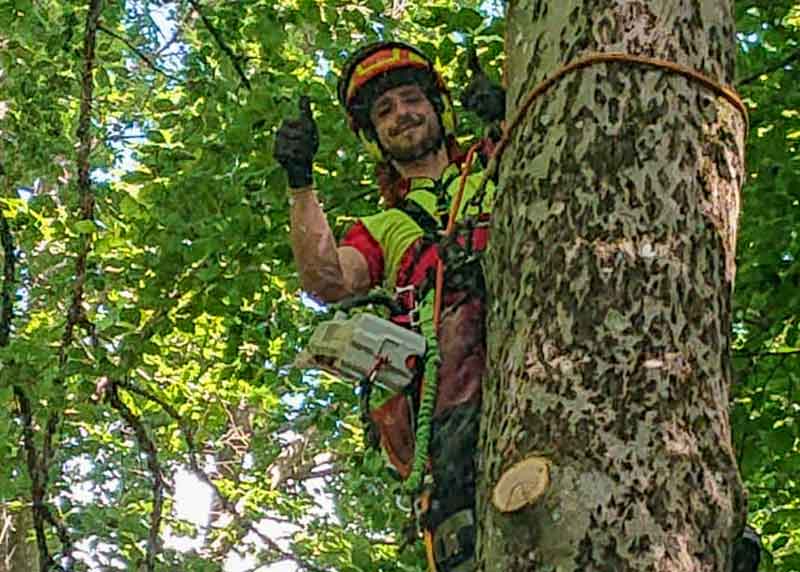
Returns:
point(401, 110)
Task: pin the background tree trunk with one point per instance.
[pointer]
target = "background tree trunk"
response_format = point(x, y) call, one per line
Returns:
point(610, 276)
point(17, 547)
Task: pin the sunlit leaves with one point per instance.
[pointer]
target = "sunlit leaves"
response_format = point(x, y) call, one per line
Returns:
point(766, 396)
point(191, 296)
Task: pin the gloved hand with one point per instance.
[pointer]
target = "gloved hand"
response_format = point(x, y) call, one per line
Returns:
point(296, 144)
point(484, 97)
point(747, 551)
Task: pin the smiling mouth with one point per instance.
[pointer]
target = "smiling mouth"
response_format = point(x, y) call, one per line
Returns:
point(407, 128)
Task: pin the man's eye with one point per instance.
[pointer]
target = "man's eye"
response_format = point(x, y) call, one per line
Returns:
point(383, 111)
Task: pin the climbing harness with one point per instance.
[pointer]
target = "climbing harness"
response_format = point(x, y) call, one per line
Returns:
point(377, 351)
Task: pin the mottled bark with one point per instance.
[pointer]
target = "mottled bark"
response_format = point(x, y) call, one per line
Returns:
point(610, 275)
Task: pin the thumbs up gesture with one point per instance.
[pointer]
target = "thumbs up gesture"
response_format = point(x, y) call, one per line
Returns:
point(296, 144)
point(482, 95)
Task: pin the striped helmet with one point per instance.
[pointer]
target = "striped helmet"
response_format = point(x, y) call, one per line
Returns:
point(379, 67)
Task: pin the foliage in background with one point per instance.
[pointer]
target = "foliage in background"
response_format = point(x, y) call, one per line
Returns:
point(190, 312)
point(767, 298)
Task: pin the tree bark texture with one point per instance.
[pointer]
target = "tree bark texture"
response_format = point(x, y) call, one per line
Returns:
point(610, 274)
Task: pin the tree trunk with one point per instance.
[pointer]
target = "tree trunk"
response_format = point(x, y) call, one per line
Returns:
point(610, 275)
point(17, 546)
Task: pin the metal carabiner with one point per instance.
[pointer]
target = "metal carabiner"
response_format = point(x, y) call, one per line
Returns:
point(398, 501)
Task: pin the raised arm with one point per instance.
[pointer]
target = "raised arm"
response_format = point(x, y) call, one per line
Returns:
point(326, 272)
point(482, 95)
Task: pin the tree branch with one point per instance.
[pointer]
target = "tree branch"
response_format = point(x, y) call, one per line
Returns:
point(7, 296)
point(36, 471)
point(140, 54)
point(226, 503)
point(221, 43)
point(169, 409)
point(775, 67)
point(37, 488)
point(76, 314)
point(37, 468)
point(145, 444)
point(738, 353)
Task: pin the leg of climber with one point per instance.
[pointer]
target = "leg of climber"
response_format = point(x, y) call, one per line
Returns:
point(451, 516)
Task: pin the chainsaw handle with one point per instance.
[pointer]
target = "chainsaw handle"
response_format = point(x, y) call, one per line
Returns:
point(373, 298)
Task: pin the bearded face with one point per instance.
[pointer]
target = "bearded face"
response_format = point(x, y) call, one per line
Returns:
point(406, 123)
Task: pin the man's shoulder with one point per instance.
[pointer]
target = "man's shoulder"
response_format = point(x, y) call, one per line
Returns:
point(383, 222)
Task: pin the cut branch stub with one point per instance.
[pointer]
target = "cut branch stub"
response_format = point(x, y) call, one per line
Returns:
point(523, 484)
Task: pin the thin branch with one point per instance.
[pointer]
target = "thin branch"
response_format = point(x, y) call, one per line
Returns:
point(37, 469)
point(739, 353)
point(178, 29)
point(791, 58)
point(140, 54)
point(170, 410)
point(147, 445)
point(322, 473)
point(37, 494)
point(7, 296)
point(37, 473)
point(221, 43)
point(169, 43)
point(76, 314)
point(231, 508)
point(201, 475)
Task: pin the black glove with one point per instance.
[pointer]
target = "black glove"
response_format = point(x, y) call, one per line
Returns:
point(296, 144)
point(747, 551)
point(484, 97)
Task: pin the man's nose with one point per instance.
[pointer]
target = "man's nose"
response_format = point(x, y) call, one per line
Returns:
point(402, 108)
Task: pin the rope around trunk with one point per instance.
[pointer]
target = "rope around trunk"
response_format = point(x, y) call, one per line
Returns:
point(591, 59)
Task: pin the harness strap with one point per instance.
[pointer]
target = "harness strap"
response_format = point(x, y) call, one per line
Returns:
point(425, 220)
point(461, 260)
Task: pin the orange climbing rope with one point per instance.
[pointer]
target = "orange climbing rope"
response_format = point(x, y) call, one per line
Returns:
point(615, 57)
point(451, 223)
point(588, 60)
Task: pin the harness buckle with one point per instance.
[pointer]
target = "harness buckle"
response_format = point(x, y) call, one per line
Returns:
point(422, 502)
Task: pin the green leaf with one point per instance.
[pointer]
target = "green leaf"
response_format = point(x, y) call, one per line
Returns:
point(85, 227)
point(466, 19)
point(163, 105)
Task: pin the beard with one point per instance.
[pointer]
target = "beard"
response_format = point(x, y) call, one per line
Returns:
point(423, 138)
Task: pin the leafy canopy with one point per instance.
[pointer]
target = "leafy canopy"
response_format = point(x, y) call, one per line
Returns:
point(189, 310)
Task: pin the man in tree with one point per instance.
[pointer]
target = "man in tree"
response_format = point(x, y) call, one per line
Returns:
point(398, 105)
point(401, 110)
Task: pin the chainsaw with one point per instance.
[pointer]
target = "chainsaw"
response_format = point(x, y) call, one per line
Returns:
point(365, 345)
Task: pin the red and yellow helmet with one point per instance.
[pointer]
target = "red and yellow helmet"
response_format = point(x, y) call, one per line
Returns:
point(378, 67)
